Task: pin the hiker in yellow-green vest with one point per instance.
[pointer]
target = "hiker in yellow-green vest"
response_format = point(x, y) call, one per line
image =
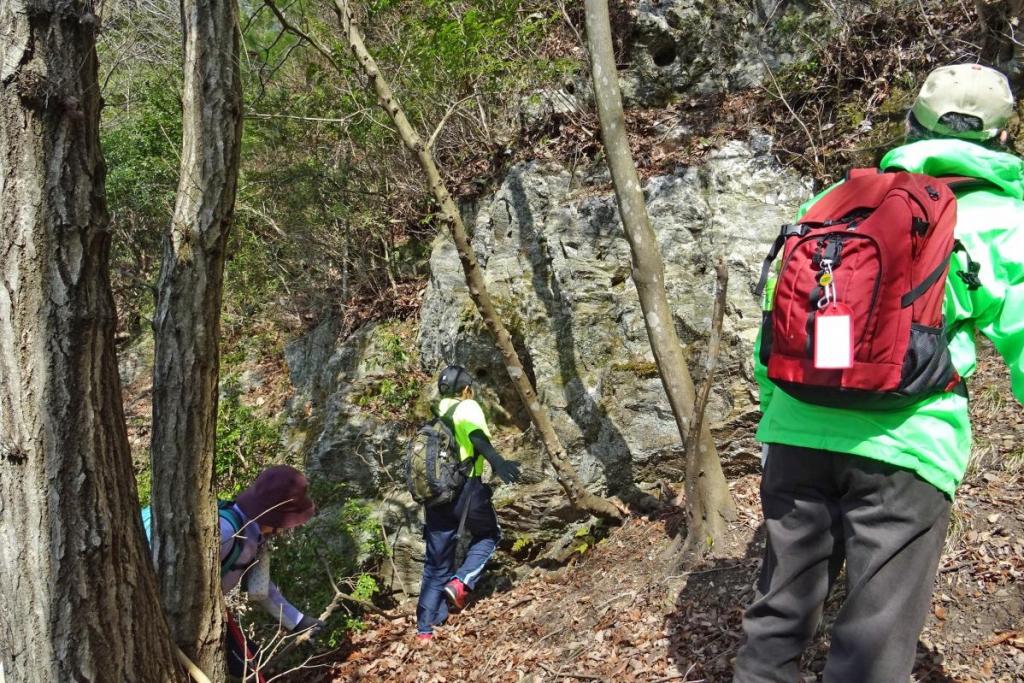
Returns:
point(874, 487)
point(443, 584)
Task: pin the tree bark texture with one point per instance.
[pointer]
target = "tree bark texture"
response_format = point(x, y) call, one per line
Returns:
point(78, 598)
point(713, 507)
point(564, 471)
point(186, 537)
point(695, 543)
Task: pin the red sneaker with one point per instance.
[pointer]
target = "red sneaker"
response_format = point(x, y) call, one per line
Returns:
point(457, 593)
point(424, 637)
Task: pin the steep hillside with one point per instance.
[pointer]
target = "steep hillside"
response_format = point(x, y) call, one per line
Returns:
point(623, 611)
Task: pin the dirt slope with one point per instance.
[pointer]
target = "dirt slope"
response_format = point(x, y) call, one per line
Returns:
point(625, 613)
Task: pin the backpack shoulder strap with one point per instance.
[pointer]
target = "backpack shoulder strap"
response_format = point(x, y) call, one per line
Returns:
point(448, 416)
point(225, 511)
point(861, 172)
point(788, 230)
point(959, 183)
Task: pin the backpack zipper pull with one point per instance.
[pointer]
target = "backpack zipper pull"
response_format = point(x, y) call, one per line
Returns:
point(828, 284)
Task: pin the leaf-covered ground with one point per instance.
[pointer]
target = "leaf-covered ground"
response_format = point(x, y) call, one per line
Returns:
point(625, 612)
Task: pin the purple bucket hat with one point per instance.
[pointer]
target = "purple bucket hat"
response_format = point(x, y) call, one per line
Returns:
point(278, 498)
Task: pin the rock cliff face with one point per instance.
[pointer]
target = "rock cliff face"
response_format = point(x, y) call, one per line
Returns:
point(559, 268)
point(326, 423)
point(698, 47)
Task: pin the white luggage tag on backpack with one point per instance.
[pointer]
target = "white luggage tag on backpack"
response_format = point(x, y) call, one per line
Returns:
point(833, 337)
point(833, 325)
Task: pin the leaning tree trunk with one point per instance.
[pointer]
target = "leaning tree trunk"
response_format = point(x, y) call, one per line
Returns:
point(564, 470)
point(187, 331)
point(78, 599)
point(709, 510)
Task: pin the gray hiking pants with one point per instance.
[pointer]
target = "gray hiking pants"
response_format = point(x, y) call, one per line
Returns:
point(820, 508)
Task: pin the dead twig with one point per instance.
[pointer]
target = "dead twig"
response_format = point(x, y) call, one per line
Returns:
point(444, 119)
point(570, 674)
point(674, 677)
point(391, 559)
point(782, 97)
point(314, 43)
point(705, 571)
point(630, 594)
point(572, 26)
point(341, 596)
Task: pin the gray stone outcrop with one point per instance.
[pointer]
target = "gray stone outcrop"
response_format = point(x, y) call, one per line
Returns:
point(687, 48)
point(558, 268)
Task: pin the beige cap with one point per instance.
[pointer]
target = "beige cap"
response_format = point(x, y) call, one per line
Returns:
point(965, 89)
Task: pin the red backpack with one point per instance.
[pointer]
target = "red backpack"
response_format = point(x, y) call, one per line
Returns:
point(856, 316)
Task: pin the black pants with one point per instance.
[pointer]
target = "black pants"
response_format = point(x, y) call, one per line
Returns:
point(889, 525)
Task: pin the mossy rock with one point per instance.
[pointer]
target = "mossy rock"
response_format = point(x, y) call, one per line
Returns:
point(641, 368)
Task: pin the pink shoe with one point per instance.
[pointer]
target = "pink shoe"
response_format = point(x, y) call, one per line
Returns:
point(424, 637)
point(457, 593)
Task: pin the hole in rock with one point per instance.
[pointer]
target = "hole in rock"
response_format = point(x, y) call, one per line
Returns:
point(664, 55)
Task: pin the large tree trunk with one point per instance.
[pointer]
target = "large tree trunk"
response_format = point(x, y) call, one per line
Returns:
point(709, 510)
point(78, 599)
point(564, 470)
point(187, 329)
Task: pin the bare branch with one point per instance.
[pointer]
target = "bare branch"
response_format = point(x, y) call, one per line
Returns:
point(194, 671)
point(782, 96)
point(293, 117)
point(295, 30)
point(444, 119)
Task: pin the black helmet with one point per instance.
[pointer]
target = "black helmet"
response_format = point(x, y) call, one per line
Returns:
point(452, 380)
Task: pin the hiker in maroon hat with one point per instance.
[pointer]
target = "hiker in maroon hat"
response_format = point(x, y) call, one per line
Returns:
point(276, 501)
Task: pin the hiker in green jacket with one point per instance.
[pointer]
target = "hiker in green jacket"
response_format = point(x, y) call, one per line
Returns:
point(874, 487)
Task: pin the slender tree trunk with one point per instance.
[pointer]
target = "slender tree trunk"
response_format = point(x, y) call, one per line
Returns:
point(708, 511)
point(696, 542)
point(186, 538)
point(78, 599)
point(564, 470)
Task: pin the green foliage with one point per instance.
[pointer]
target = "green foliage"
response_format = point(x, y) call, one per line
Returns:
point(141, 150)
point(796, 76)
point(141, 137)
point(397, 389)
point(587, 537)
point(522, 543)
point(790, 22)
point(326, 174)
point(330, 207)
point(144, 486)
point(344, 542)
point(246, 443)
